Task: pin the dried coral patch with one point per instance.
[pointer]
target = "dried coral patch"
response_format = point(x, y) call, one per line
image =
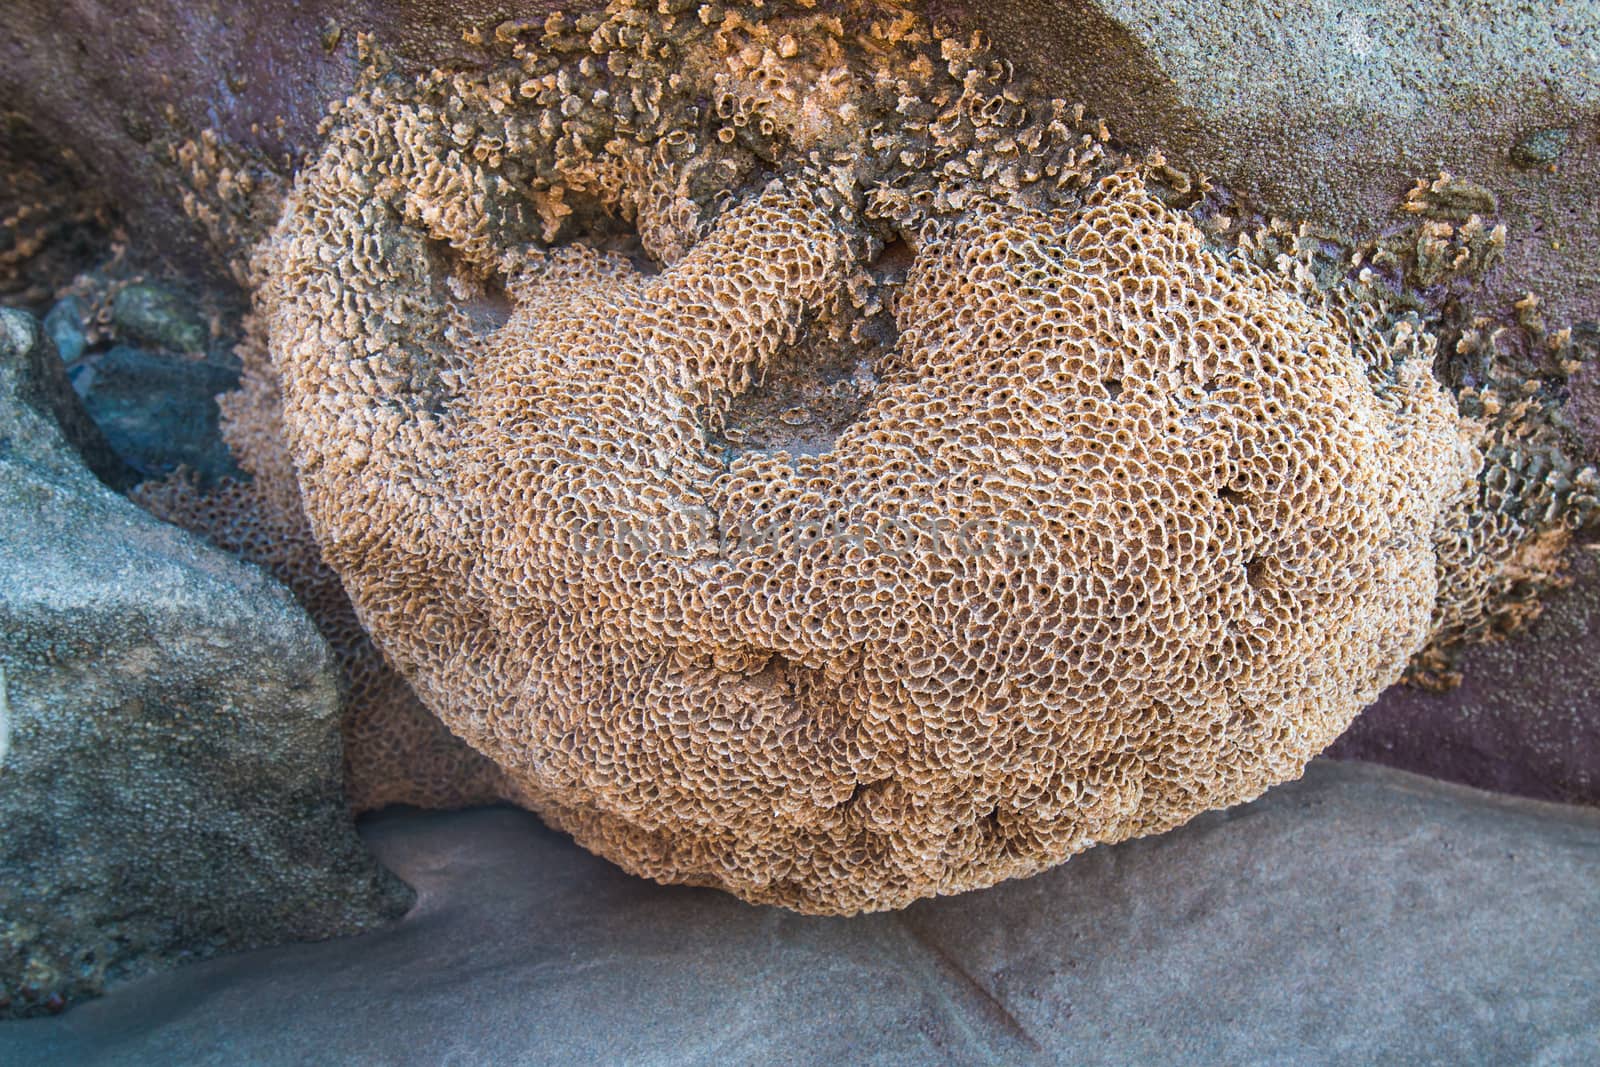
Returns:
point(1124, 527)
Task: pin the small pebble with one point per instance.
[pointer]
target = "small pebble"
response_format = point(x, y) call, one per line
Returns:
point(159, 316)
point(64, 324)
point(1541, 147)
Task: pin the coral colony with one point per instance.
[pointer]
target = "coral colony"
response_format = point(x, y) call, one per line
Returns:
point(796, 459)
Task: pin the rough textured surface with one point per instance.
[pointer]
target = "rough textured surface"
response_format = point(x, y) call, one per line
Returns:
point(169, 770)
point(1321, 111)
point(1123, 526)
point(1358, 916)
point(395, 750)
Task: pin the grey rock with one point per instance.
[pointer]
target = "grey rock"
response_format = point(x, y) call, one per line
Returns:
point(1359, 916)
point(159, 316)
point(160, 411)
point(1541, 148)
point(170, 781)
point(64, 324)
point(47, 410)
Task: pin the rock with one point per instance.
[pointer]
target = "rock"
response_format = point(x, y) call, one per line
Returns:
point(1318, 110)
point(157, 316)
point(122, 90)
point(41, 386)
point(1541, 148)
point(160, 411)
point(170, 785)
point(64, 324)
point(54, 218)
point(1320, 923)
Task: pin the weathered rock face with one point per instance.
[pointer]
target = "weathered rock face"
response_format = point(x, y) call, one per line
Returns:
point(124, 87)
point(1316, 110)
point(1328, 111)
point(1320, 922)
point(169, 757)
point(53, 217)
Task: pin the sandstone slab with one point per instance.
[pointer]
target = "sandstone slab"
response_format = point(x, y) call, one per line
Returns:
point(1361, 915)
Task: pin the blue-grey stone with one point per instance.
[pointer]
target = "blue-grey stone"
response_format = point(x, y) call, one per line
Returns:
point(159, 411)
point(64, 324)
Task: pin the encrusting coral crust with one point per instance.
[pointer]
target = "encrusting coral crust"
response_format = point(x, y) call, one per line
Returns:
point(803, 465)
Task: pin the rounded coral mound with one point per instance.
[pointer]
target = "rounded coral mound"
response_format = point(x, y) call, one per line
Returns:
point(875, 523)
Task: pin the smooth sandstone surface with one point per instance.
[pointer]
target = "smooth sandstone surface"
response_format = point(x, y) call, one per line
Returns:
point(1360, 915)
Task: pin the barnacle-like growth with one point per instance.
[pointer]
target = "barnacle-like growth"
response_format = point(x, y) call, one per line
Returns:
point(1082, 527)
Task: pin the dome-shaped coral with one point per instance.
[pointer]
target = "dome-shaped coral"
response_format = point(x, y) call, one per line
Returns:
point(1096, 528)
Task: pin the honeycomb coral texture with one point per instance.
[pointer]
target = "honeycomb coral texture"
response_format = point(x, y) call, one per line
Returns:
point(1119, 527)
